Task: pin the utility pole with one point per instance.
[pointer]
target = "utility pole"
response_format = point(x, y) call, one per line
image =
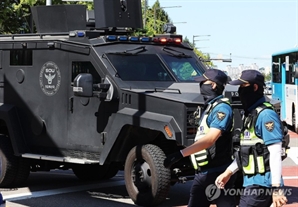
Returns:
point(179, 23)
point(145, 13)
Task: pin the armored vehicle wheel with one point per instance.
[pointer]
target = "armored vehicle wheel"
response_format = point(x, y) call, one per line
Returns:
point(91, 172)
point(8, 162)
point(23, 172)
point(147, 180)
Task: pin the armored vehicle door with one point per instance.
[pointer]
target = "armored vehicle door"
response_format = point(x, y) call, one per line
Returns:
point(83, 112)
point(35, 83)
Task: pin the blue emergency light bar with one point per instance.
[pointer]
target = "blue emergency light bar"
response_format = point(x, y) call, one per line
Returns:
point(111, 37)
point(134, 39)
point(81, 34)
point(145, 39)
point(161, 39)
point(123, 38)
point(158, 39)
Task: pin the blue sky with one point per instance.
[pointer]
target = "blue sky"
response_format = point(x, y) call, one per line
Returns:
point(250, 30)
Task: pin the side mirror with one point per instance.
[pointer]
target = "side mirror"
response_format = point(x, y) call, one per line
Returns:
point(83, 85)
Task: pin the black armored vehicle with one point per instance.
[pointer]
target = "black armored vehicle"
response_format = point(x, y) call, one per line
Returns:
point(85, 94)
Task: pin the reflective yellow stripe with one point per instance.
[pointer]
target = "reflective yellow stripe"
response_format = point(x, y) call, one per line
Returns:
point(199, 159)
point(203, 163)
point(250, 168)
point(260, 162)
point(251, 142)
point(194, 162)
point(202, 152)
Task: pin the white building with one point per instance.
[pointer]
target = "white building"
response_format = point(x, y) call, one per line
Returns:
point(235, 71)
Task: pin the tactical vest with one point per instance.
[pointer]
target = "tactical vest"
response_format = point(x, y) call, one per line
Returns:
point(203, 157)
point(254, 154)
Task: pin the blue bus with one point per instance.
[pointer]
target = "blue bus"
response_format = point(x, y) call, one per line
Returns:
point(285, 84)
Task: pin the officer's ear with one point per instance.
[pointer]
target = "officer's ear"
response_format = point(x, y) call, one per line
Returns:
point(256, 87)
point(213, 84)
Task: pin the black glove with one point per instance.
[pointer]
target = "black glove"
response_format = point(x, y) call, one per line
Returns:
point(172, 159)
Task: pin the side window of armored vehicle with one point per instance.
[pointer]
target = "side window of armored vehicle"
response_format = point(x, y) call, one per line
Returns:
point(185, 69)
point(142, 67)
point(21, 57)
point(85, 67)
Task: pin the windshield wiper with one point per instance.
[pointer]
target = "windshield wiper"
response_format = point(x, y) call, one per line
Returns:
point(128, 52)
point(176, 54)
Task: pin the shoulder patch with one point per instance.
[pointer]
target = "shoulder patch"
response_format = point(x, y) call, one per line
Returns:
point(269, 126)
point(221, 115)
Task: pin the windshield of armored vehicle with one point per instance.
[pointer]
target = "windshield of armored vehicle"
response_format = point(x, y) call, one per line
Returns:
point(185, 69)
point(141, 67)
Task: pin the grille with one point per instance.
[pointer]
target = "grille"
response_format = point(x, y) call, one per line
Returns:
point(191, 127)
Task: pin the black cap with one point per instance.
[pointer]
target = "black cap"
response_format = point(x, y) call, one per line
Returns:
point(214, 75)
point(249, 76)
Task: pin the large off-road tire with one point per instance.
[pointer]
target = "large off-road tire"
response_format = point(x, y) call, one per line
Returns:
point(94, 172)
point(23, 172)
point(147, 180)
point(8, 163)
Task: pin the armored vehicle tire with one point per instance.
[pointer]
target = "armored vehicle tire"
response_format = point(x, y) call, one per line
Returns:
point(12, 172)
point(93, 172)
point(22, 173)
point(147, 180)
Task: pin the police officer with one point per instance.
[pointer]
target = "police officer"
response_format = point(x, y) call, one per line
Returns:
point(211, 151)
point(260, 146)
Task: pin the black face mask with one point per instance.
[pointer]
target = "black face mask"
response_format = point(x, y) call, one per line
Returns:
point(248, 96)
point(208, 92)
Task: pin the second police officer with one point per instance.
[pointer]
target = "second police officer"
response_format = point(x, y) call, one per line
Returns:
point(260, 146)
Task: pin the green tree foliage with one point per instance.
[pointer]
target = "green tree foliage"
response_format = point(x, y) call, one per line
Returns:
point(267, 76)
point(15, 15)
point(10, 20)
point(154, 18)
